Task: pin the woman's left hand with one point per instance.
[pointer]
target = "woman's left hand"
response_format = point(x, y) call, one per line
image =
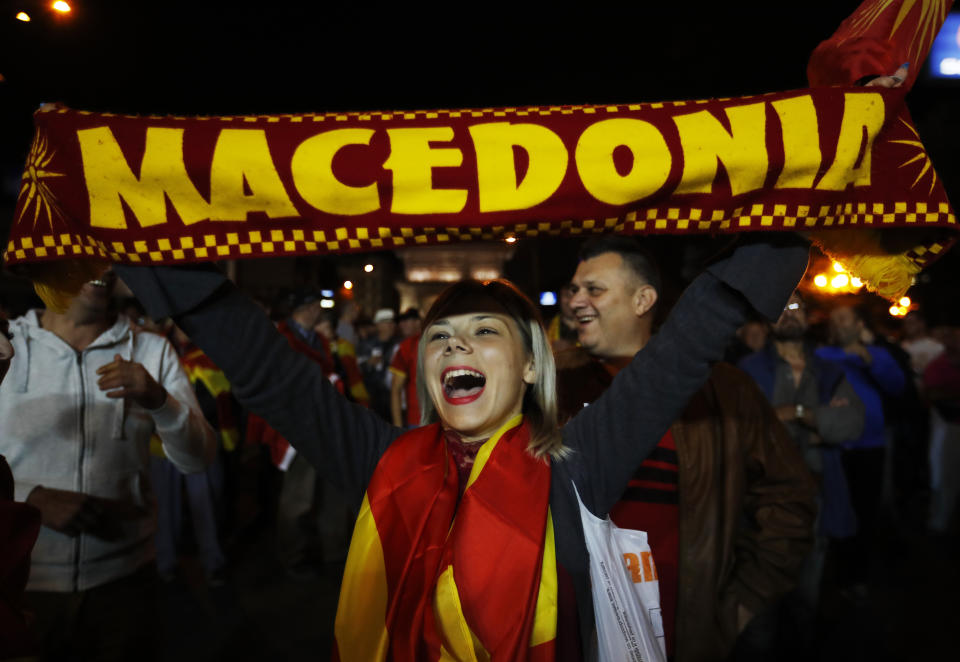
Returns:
point(895, 80)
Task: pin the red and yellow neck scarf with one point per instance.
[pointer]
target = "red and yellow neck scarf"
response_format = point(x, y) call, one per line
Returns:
point(427, 579)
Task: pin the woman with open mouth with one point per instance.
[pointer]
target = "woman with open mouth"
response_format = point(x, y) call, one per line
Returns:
point(468, 544)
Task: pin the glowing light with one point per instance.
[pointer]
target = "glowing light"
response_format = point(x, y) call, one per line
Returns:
point(905, 302)
point(326, 303)
point(856, 282)
point(838, 267)
point(348, 284)
point(840, 280)
point(820, 280)
point(895, 311)
point(326, 293)
point(510, 240)
point(61, 6)
point(950, 66)
point(904, 311)
point(484, 273)
point(548, 298)
point(368, 268)
point(23, 16)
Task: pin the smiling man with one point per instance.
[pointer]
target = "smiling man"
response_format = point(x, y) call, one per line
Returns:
point(724, 479)
point(82, 398)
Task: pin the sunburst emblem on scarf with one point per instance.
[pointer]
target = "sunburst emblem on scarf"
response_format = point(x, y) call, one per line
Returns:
point(921, 156)
point(38, 194)
point(928, 21)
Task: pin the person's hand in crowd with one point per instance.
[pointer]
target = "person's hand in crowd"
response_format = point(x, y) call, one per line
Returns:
point(895, 80)
point(795, 413)
point(74, 512)
point(65, 511)
point(786, 413)
point(839, 402)
point(126, 379)
point(860, 350)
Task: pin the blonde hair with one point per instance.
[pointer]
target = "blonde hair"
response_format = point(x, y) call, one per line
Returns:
point(540, 399)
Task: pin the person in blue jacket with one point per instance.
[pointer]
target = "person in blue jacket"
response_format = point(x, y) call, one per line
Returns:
point(874, 375)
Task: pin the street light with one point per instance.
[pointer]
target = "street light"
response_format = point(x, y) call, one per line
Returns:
point(23, 16)
point(61, 6)
point(368, 268)
point(348, 284)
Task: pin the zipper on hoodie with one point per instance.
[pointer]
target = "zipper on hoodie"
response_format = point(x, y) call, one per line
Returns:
point(83, 444)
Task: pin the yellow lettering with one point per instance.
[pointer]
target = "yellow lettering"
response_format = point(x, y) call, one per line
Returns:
point(801, 144)
point(595, 164)
point(243, 155)
point(861, 113)
point(497, 182)
point(312, 167)
point(162, 173)
point(412, 161)
point(742, 150)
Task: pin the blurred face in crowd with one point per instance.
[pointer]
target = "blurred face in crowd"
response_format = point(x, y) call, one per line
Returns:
point(792, 324)
point(325, 328)
point(308, 314)
point(754, 335)
point(366, 329)
point(409, 326)
point(608, 302)
point(6, 349)
point(476, 371)
point(846, 327)
point(386, 329)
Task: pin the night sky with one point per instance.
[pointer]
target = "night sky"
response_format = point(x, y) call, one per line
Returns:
point(238, 58)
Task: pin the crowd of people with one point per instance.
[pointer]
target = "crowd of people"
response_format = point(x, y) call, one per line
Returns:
point(803, 449)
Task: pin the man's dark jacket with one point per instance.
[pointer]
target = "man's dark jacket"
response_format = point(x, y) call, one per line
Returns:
point(746, 502)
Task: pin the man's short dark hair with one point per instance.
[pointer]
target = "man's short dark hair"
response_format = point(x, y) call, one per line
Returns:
point(634, 255)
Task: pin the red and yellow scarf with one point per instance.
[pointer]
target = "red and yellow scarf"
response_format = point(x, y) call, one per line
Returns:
point(843, 164)
point(199, 367)
point(430, 579)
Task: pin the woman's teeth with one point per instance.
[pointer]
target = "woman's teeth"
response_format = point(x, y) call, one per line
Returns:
point(462, 382)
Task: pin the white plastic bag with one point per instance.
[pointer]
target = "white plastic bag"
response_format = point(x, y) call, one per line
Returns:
point(626, 592)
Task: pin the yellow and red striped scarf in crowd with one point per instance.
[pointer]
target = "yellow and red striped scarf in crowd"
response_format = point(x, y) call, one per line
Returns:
point(428, 578)
point(199, 367)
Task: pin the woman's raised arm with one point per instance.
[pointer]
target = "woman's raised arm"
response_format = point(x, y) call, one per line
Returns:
point(342, 440)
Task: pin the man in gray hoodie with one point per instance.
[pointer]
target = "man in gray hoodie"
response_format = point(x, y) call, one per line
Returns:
point(82, 398)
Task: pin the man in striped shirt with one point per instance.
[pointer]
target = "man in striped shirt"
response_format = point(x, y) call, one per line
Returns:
point(726, 500)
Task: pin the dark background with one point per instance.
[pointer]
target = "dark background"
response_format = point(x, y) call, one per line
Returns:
point(269, 57)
